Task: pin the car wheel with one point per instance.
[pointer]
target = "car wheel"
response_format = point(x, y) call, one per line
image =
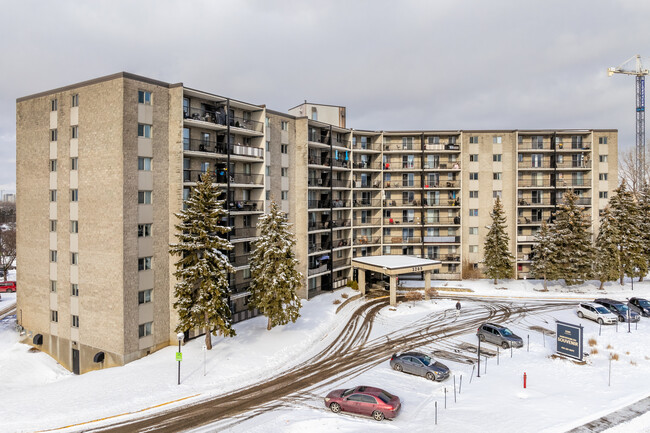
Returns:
point(580, 315)
point(378, 416)
point(505, 345)
point(600, 321)
point(335, 407)
point(481, 337)
point(397, 367)
point(431, 376)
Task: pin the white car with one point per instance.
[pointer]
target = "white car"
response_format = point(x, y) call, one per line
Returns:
point(596, 312)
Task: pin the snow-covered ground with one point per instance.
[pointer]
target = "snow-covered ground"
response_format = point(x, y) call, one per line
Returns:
point(560, 394)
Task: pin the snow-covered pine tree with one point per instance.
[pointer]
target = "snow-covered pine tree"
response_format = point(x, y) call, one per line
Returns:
point(644, 222)
point(496, 256)
point(574, 249)
point(544, 264)
point(625, 213)
point(274, 278)
point(202, 271)
point(607, 261)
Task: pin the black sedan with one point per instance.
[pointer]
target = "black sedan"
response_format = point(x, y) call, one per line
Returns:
point(420, 364)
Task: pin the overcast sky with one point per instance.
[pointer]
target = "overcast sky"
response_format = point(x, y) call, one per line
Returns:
point(452, 64)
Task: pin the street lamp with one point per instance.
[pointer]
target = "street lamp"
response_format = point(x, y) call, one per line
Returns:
point(179, 355)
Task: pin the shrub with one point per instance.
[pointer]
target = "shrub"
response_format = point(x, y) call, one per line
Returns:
point(592, 342)
point(469, 273)
point(353, 284)
point(609, 346)
point(336, 301)
point(344, 295)
point(633, 362)
point(413, 296)
point(431, 292)
point(614, 356)
point(594, 351)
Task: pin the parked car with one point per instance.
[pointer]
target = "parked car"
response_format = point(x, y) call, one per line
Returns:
point(499, 335)
point(420, 364)
point(364, 400)
point(7, 286)
point(640, 305)
point(619, 309)
point(596, 312)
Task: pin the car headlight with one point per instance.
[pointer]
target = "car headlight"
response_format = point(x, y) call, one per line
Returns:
point(327, 399)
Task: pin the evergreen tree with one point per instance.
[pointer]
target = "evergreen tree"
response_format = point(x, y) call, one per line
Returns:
point(274, 278)
point(644, 223)
point(202, 271)
point(544, 264)
point(496, 255)
point(607, 258)
point(574, 250)
point(626, 215)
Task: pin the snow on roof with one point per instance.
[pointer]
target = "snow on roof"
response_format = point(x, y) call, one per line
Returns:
point(395, 261)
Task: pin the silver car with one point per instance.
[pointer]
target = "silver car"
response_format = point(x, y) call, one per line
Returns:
point(419, 364)
point(499, 335)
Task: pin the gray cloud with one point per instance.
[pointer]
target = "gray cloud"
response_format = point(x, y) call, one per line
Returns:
point(396, 65)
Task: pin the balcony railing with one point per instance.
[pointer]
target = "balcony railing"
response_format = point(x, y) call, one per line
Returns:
point(342, 263)
point(240, 259)
point(401, 221)
point(366, 202)
point(341, 243)
point(246, 206)
point(243, 232)
point(363, 145)
point(367, 221)
point(237, 178)
point(325, 183)
point(320, 246)
point(220, 118)
point(341, 183)
point(366, 240)
point(200, 145)
point(442, 239)
point(402, 240)
point(317, 270)
point(326, 204)
point(442, 220)
point(364, 165)
point(548, 146)
point(443, 145)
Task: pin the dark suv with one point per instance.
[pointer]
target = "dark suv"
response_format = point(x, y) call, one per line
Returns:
point(639, 305)
point(499, 335)
point(619, 308)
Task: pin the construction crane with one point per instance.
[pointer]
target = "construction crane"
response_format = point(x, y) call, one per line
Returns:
point(633, 66)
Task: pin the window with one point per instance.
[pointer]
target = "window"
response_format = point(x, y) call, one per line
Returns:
point(473, 176)
point(144, 131)
point(145, 329)
point(602, 140)
point(284, 148)
point(74, 132)
point(75, 100)
point(144, 263)
point(74, 163)
point(54, 315)
point(473, 212)
point(74, 226)
point(53, 225)
point(496, 157)
point(268, 146)
point(52, 286)
point(53, 256)
point(268, 170)
point(144, 97)
point(74, 289)
point(473, 194)
point(144, 296)
point(246, 273)
point(496, 176)
point(54, 104)
point(268, 194)
point(602, 158)
point(496, 139)
point(246, 247)
point(285, 172)
point(74, 195)
point(473, 139)
point(285, 125)
point(473, 230)
point(602, 194)
point(144, 163)
point(75, 321)
point(74, 258)
point(473, 248)
point(54, 134)
point(144, 230)
point(497, 193)
point(602, 176)
point(144, 197)
point(52, 195)
point(285, 195)
point(52, 164)
point(473, 157)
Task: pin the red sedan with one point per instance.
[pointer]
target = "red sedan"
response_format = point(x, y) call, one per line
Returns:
point(364, 400)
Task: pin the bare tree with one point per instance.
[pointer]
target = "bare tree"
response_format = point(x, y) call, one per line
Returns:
point(627, 170)
point(7, 249)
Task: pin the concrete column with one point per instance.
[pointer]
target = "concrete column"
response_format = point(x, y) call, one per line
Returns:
point(427, 281)
point(361, 277)
point(393, 290)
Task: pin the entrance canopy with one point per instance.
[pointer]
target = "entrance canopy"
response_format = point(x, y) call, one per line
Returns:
point(393, 265)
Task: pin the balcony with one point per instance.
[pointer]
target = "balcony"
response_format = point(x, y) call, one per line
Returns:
point(326, 225)
point(341, 243)
point(235, 178)
point(366, 202)
point(327, 204)
point(319, 269)
point(367, 184)
point(246, 206)
point(220, 118)
point(243, 232)
point(366, 240)
point(200, 145)
point(341, 183)
point(402, 240)
point(367, 221)
point(321, 246)
point(238, 260)
point(442, 239)
point(442, 220)
point(342, 263)
point(365, 165)
point(324, 183)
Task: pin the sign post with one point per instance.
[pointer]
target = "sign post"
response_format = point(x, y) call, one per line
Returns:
point(569, 340)
point(179, 354)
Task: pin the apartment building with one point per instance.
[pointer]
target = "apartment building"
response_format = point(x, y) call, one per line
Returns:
point(123, 151)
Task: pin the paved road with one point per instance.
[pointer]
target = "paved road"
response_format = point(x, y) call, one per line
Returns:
point(613, 419)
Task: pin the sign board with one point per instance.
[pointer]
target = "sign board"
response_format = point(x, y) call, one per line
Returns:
point(179, 356)
point(569, 340)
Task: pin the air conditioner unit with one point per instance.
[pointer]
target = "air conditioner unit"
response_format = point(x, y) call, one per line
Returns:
point(320, 181)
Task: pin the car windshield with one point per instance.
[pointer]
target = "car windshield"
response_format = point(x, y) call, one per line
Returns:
point(621, 307)
point(644, 303)
point(384, 396)
point(506, 332)
point(348, 392)
point(426, 360)
point(602, 310)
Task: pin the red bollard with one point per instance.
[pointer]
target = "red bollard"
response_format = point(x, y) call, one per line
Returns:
point(524, 380)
